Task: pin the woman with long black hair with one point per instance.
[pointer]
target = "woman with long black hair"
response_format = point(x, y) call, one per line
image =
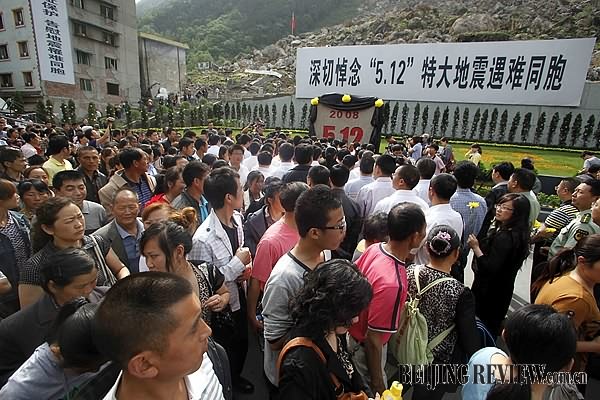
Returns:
point(498, 258)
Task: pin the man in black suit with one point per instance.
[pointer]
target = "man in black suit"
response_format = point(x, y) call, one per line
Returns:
point(125, 230)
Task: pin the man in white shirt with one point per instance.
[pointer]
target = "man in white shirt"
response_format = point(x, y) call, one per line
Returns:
point(369, 195)
point(366, 176)
point(214, 145)
point(404, 180)
point(236, 156)
point(168, 357)
point(264, 164)
point(442, 187)
point(426, 168)
point(286, 153)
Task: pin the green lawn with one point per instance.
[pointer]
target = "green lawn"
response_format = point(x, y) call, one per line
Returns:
point(547, 162)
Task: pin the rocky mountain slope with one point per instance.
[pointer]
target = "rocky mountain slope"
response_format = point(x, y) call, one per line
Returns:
point(418, 21)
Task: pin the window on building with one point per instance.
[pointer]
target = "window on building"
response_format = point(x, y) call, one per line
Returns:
point(79, 29)
point(1, 21)
point(107, 11)
point(83, 57)
point(3, 52)
point(6, 80)
point(77, 3)
point(110, 63)
point(85, 84)
point(23, 49)
point(109, 38)
point(18, 16)
point(112, 88)
point(28, 79)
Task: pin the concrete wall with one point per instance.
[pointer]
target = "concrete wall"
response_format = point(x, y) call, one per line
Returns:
point(589, 107)
point(163, 63)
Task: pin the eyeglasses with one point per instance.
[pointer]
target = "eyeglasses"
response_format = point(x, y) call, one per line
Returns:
point(339, 227)
point(502, 207)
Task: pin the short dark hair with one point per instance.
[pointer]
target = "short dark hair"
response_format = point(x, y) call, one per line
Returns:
point(264, 158)
point(29, 136)
point(290, 193)
point(254, 148)
point(214, 140)
point(67, 175)
point(366, 164)
point(426, 167)
point(313, 207)
point(405, 219)
point(243, 139)
point(571, 183)
point(339, 175)
point(525, 178)
point(57, 143)
point(465, 173)
point(533, 329)
point(62, 266)
point(127, 156)
point(375, 227)
point(194, 169)
point(505, 169)
point(319, 175)
point(286, 152)
point(199, 143)
point(235, 147)
point(387, 164)
point(219, 183)
point(594, 186)
point(135, 301)
point(303, 154)
point(409, 174)
point(185, 142)
point(444, 186)
point(209, 159)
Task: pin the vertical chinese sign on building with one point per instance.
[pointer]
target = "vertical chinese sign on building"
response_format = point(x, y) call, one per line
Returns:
point(51, 26)
point(541, 72)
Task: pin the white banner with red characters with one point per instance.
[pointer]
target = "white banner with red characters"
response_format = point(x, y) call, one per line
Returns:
point(351, 126)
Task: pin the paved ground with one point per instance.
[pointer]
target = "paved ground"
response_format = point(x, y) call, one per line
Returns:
point(253, 368)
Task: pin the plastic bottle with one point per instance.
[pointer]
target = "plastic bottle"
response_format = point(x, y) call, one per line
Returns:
point(394, 392)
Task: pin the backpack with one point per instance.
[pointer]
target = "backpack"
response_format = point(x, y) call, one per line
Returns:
point(411, 344)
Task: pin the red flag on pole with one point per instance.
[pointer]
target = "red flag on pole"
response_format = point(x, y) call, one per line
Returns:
point(293, 23)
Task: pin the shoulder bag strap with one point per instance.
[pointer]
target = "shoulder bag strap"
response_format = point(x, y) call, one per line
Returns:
point(110, 277)
point(305, 342)
point(440, 337)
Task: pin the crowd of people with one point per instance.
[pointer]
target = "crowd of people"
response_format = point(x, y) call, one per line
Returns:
point(140, 264)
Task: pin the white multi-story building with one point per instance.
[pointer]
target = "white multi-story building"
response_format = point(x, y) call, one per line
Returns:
point(84, 50)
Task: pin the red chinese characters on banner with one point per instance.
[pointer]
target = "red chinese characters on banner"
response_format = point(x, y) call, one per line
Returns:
point(351, 126)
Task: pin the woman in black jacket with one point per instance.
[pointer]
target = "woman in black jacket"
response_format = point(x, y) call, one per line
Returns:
point(316, 361)
point(498, 258)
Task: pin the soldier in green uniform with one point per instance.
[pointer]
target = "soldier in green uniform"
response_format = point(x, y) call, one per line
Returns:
point(584, 195)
